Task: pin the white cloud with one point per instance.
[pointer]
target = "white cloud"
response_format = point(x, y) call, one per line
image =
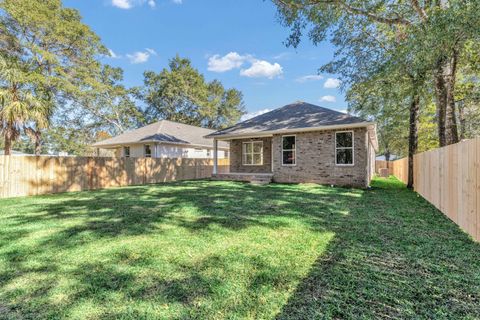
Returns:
point(151, 51)
point(310, 77)
point(283, 55)
point(129, 4)
point(343, 111)
point(231, 60)
point(328, 99)
point(141, 56)
point(254, 114)
point(262, 68)
point(113, 54)
point(332, 83)
point(234, 60)
point(122, 4)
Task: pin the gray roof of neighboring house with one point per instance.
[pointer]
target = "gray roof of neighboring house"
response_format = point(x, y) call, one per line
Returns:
point(166, 132)
point(298, 115)
point(382, 157)
point(15, 152)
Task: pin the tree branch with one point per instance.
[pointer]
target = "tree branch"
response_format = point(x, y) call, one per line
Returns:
point(421, 12)
point(353, 10)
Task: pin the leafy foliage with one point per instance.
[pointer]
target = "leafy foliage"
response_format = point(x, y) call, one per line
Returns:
point(180, 93)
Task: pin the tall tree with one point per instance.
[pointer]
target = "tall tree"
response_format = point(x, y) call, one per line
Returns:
point(18, 104)
point(58, 48)
point(105, 109)
point(440, 30)
point(180, 93)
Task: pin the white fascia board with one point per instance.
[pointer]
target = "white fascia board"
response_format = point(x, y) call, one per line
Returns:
point(117, 145)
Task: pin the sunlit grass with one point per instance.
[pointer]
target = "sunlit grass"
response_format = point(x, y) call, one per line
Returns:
point(214, 250)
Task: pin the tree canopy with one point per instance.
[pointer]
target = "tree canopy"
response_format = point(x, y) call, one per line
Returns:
point(56, 92)
point(180, 93)
point(394, 56)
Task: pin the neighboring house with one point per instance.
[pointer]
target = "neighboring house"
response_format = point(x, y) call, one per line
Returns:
point(392, 157)
point(15, 153)
point(164, 139)
point(301, 142)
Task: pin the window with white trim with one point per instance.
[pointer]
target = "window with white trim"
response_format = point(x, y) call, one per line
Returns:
point(344, 148)
point(147, 151)
point(126, 152)
point(289, 155)
point(253, 153)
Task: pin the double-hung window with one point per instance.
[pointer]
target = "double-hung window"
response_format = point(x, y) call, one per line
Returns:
point(344, 148)
point(253, 153)
point(289, 156)
point(148, 151)
point(126, 152)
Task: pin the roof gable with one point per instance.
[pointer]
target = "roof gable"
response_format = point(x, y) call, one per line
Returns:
point(298, 115)
point(163, 131)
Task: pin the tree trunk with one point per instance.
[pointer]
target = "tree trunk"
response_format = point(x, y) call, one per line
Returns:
point(445, 78)
point(441, 104)
point(36, 136)
point(413, 137)
point(9, 137)
point(461, 119)
point(451, 119)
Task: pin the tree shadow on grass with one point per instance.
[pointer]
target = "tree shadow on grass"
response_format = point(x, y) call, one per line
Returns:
point(401, 258)
point(80, 219)
point(393, 254)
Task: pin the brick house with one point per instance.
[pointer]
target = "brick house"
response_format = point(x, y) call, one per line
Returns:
point(298, 143)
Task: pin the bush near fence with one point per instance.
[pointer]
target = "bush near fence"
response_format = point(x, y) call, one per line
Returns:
point(448, 178)
point(32, 175)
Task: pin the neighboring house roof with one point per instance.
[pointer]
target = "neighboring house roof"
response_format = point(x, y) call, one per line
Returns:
point(15, 152)
point(382, 157)
point(295, 117)
point(166, 132)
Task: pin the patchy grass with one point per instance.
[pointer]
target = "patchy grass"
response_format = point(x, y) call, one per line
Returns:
point(204, 249)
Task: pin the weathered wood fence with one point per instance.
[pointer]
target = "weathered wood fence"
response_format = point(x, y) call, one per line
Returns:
point(449, 178)
point(31, 175)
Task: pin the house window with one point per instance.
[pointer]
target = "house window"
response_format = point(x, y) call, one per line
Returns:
point(148, 151)
point(126, 152)
point(253, 153)
point(344, 148)
point(289, 150)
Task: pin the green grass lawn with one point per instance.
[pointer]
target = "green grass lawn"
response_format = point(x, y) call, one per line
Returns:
point(214, 250)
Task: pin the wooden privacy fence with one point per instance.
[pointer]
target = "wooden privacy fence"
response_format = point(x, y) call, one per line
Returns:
point(448, 178)
point(31, 175)
point(397, 168)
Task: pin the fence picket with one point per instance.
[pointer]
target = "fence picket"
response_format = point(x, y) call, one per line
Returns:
point(449, 178)
point(31, 175)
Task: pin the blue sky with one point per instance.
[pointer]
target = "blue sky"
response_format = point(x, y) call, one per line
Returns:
point(238, 42)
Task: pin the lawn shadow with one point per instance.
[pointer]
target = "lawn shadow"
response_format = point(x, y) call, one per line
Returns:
point(396, 258)
point(79, 219)
point(392, 254)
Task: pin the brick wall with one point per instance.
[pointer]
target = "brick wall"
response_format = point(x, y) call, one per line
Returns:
point(236, 156)
point(316, 160)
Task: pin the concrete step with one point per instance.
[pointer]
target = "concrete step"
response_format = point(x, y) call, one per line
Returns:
point(248, 177)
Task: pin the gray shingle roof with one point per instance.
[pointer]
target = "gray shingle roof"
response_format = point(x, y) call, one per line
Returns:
point(164, 131)
point(298, 115)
